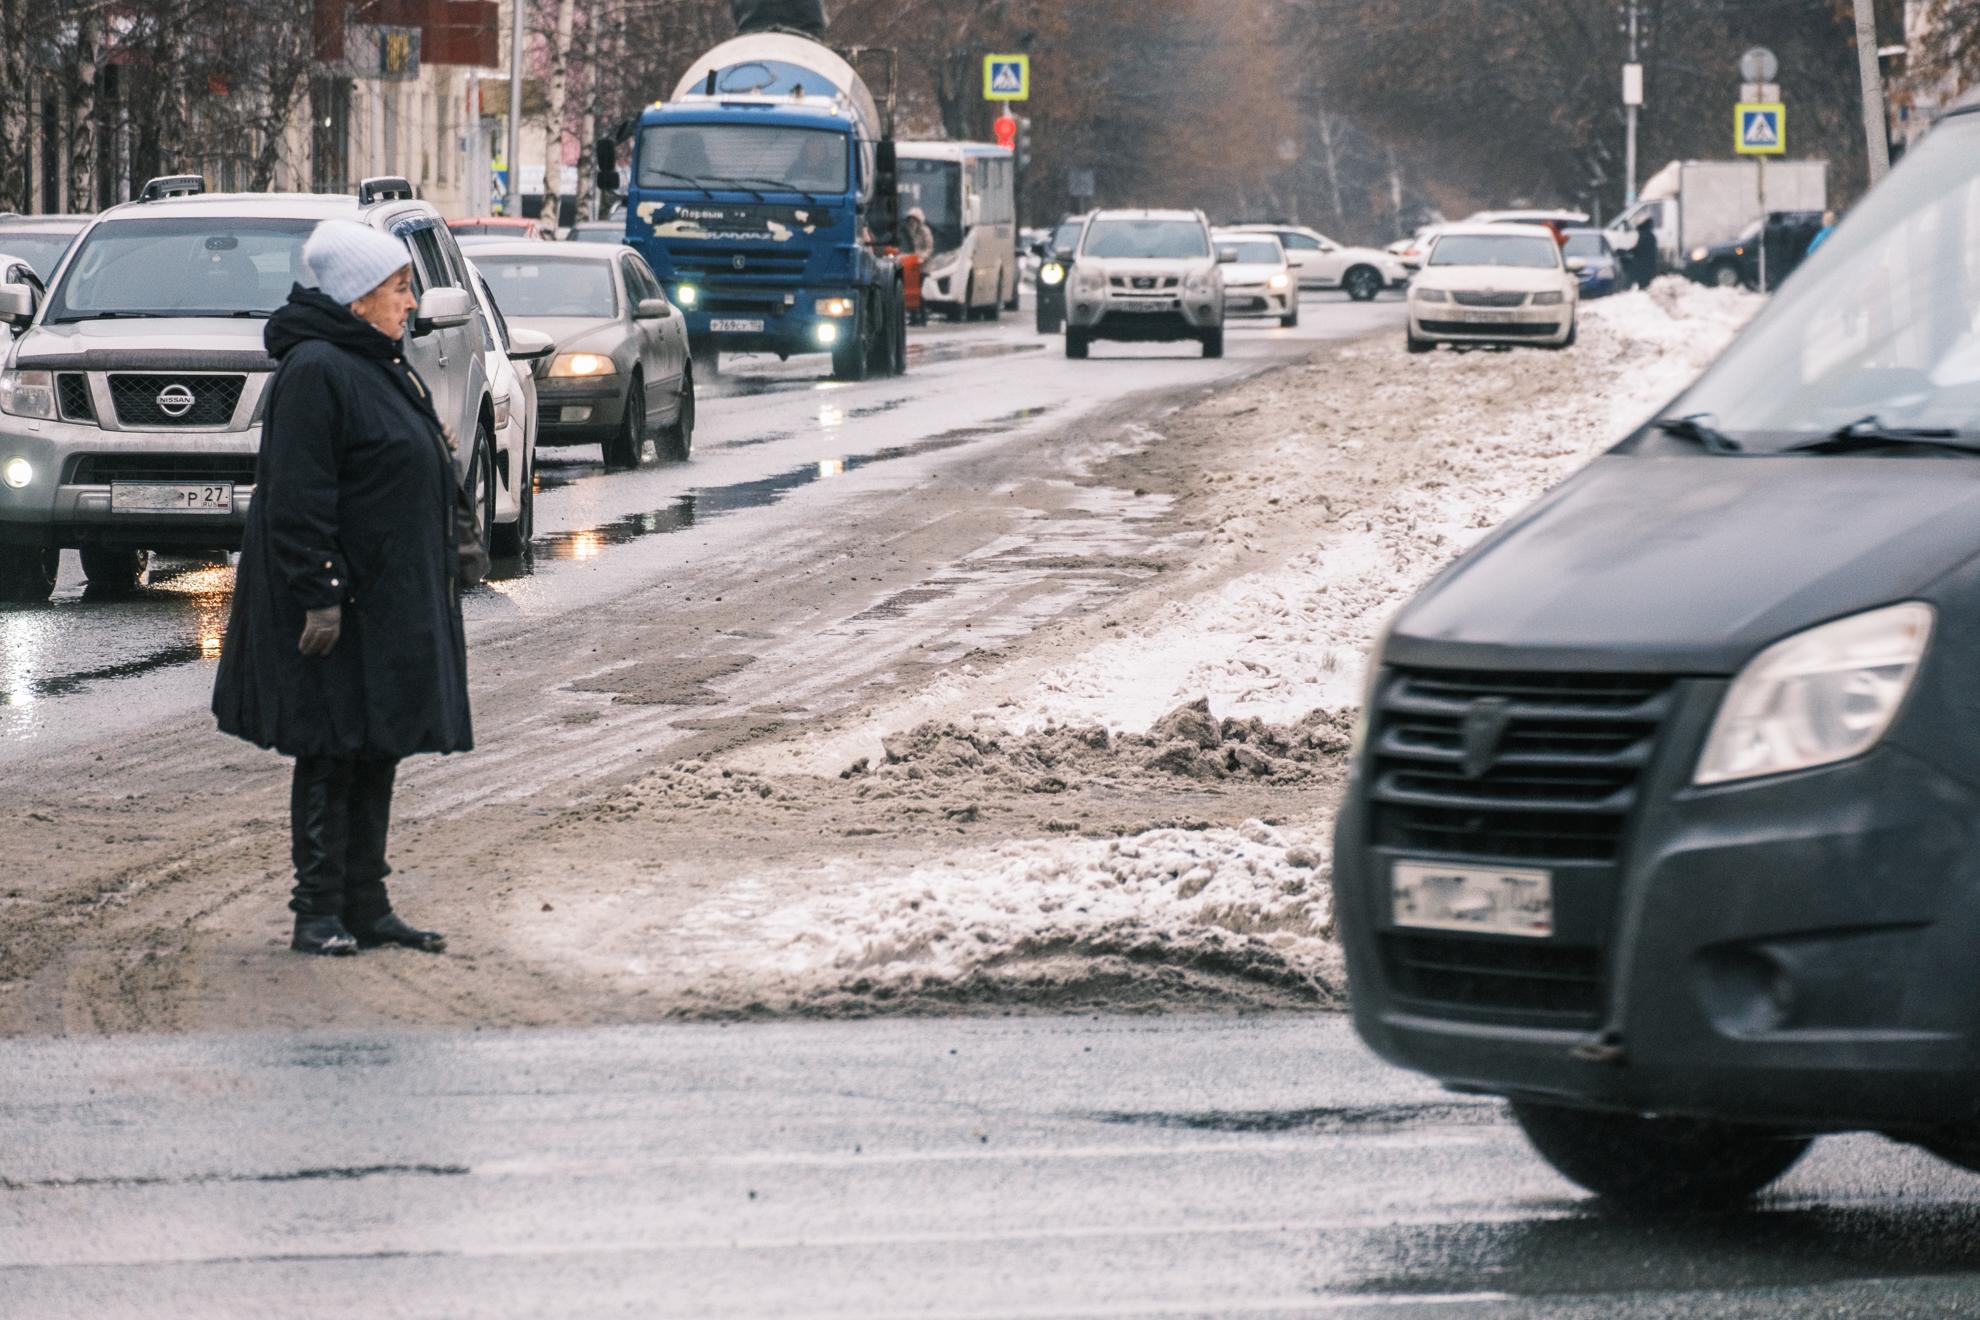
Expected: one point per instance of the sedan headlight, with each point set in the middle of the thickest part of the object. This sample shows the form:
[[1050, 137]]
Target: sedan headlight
[[28, 393], [1548, 299], [1279, 283], [1429, 295], [1818, 697], [502, 413], [1051, 274], [582, 364]]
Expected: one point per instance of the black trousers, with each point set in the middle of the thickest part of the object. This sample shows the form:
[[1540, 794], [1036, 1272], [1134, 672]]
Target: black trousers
[[340, 809]]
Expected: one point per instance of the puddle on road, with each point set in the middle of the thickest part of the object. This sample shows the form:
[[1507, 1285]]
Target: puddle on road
[[708, 502]]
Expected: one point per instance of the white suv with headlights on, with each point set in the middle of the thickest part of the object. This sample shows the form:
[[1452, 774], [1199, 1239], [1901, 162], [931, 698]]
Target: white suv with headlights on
[[1494, 284], [1146, 275], [130, 405]]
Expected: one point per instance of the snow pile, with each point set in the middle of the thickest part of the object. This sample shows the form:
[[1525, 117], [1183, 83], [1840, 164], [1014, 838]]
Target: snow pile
[[1279, 644], [1231, 915]]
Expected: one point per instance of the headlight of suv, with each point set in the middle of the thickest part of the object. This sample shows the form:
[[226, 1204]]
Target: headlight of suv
[[582, 364], [28, 393], [1818, 697], [1429, 295], [1201, 282], [1547, 299], [1087, 280]]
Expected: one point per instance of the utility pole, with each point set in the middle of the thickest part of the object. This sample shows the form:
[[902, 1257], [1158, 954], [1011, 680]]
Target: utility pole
[[1632, 98], [1876, 124], [512, 200]]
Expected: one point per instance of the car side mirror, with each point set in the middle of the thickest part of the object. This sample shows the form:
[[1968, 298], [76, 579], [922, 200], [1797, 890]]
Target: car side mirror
[[16, 304], [442, 309], [1577, 264], [652, 309], [530, 346], [1225, 256]]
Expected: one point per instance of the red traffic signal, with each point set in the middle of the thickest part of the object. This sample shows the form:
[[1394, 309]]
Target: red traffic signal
[[1007, 127]]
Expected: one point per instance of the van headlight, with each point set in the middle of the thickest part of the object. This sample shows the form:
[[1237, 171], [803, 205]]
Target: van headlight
[[28, 393], [1818, 697]]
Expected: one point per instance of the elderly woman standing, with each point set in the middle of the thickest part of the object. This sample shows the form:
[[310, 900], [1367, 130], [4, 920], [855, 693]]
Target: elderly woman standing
[[345, 648]]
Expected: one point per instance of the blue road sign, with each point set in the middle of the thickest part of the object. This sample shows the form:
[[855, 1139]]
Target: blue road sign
[[1760, 128], [1007, 77]]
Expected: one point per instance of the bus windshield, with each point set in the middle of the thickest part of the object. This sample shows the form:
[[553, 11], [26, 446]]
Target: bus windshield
[[742, 156], [936, 187]]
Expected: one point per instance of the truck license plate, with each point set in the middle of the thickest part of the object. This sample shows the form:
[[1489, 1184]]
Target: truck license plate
[[1494, 900], [185, 497], [737, 325]]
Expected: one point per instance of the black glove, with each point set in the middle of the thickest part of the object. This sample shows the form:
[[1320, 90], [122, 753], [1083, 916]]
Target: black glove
[[321, 629]]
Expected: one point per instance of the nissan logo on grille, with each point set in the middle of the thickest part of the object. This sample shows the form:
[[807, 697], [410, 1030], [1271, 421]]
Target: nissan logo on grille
[[175, 400], [1484, 729]]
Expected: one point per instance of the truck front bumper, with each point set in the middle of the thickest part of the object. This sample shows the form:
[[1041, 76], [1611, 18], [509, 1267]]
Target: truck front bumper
[[1791, 951], [766, 327]]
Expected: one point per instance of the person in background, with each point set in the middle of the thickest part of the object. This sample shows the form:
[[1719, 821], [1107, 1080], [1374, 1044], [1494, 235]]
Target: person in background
[[921, 239], [344, 648], [1822, 234], [1643, 258]]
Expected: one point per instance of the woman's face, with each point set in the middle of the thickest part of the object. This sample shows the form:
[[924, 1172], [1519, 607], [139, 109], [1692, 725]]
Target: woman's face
[[387, 306]]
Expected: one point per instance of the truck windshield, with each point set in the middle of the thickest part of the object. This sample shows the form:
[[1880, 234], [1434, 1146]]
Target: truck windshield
[[747, 156], [184, 266], [550, 286], [1515, 250], [936, 187], [1160, 239], [1883, 322]]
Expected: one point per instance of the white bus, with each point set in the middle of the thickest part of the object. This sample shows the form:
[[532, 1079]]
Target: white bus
[[968, 191]]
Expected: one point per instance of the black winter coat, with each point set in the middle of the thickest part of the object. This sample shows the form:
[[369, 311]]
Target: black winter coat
[[353, 505]]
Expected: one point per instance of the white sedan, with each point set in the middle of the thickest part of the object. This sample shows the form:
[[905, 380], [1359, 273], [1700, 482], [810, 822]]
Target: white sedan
[[1321, 263], [1259, 281], [1494, 284], [512, 357]]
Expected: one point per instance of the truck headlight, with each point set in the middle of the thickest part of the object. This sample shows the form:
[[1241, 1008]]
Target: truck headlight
[[687, 295], [1278, 283], [834, 307], [1818, 697], [28, 393], [582, 364], [1051, 273]]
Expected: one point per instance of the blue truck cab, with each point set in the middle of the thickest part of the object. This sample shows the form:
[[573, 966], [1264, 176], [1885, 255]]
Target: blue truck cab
[[757, 193]]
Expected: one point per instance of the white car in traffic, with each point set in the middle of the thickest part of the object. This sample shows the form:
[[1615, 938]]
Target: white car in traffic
[[1143, 276], [1260, 281], [1494, 284], [1321, 263], [513, 358]]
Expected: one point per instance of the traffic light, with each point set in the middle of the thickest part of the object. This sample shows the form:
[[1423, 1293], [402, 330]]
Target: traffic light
[[1006, 127], [605, 155], [1024, 142]]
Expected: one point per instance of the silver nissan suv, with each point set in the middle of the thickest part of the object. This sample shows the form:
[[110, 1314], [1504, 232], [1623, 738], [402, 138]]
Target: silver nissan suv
[[1146, 275], [130, 402]]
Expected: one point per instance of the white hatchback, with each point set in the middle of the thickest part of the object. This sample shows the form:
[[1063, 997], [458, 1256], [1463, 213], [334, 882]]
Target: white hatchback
[[1321, 263], [1494, 284], [1259, 282]]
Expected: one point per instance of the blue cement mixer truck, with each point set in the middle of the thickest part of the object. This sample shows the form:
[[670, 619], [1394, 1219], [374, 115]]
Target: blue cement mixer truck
[[763, 193]]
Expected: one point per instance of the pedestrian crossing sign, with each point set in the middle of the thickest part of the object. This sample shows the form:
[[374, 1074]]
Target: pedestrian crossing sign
[[1007, 77], [1760, 128]]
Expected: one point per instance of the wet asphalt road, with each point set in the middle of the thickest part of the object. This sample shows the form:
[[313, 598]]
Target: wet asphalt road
[[80, 671], [1029, 1167]]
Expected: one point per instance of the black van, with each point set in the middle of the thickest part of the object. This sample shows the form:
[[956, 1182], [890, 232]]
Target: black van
[[1665, 813]]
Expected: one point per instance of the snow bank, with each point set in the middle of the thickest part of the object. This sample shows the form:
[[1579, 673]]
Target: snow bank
[[1279, 644]]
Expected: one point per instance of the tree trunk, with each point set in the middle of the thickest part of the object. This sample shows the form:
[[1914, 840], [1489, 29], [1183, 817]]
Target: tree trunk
[[1330, 159], [553, 132], [82, 116], [14, 135]]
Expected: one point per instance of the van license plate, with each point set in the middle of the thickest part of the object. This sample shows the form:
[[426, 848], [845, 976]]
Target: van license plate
[[1492, 900], [185, 497], [738, 325]]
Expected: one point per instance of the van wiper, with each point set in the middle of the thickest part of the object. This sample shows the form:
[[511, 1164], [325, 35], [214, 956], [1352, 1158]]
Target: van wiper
[[1693, 428], [1871, 433]]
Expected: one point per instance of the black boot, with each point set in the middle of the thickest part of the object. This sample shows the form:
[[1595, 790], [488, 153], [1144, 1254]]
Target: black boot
[[388, 929], [322, 935], [365, 869]]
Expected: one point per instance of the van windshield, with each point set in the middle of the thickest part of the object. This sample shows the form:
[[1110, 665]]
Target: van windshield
[[1882, 322], [183, 266], [1156, 239]]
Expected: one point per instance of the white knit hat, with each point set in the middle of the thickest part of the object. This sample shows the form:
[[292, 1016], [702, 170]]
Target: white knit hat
[[350, 259]]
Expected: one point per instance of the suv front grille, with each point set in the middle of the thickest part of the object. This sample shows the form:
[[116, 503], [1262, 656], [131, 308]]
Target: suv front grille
[[138, 399], [1540, 984], [1557, 783], [72, 396], [102, 469], [1144, 283]]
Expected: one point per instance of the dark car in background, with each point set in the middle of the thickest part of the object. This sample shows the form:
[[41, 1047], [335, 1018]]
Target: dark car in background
[[1736, 262], [1601, 269], [40, 240], [1055, 258], [622, 371]]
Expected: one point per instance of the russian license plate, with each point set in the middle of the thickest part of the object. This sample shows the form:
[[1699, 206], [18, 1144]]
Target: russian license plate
[[181, 497], [1487, 318], [737, 325], [1487, 900]]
